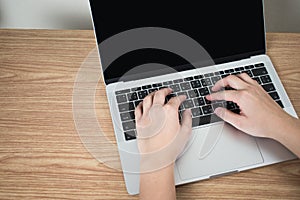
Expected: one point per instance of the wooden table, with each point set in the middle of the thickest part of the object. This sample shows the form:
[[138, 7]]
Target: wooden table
[[41, 154]]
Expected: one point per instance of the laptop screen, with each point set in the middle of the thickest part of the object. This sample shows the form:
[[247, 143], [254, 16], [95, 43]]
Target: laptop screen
[[227, 30]]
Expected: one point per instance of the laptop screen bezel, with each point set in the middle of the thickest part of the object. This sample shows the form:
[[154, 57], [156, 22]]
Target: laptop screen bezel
[[183, 67]]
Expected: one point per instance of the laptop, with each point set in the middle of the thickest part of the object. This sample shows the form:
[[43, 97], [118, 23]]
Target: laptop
[[187, 46]]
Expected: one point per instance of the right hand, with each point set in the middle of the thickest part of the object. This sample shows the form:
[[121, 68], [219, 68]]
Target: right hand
[[260, 115]]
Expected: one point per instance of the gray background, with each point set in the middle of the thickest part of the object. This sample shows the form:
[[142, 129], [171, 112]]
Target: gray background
[[281, 15]]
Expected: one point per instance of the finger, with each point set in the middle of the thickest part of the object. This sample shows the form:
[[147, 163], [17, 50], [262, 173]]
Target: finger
[[138, 113], [245, 77], [186, 122], [230, 117], [228, 95], [160, 96], [177, 101], [147, 102], [232, 81]]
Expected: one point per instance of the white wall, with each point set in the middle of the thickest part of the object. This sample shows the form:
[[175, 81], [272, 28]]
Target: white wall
[[45, 14], [281, 15]]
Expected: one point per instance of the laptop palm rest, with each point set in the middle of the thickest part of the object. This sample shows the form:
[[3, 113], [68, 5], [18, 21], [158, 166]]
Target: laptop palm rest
[[216, 150]]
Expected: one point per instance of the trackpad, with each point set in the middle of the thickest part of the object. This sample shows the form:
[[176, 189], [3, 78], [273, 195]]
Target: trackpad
[[217, 149]]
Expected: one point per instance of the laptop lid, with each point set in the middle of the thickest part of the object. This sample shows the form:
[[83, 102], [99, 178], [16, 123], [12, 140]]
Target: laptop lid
[[228, 31]]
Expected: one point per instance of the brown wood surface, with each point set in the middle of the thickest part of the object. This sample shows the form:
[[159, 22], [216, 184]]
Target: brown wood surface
[[41, 154]]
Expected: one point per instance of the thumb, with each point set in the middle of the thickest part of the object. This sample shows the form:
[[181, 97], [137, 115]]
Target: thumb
[[230, 117], [186, 122]]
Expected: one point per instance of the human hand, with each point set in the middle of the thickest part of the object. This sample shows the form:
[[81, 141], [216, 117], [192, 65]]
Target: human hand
[[260, 116], [160, 136]]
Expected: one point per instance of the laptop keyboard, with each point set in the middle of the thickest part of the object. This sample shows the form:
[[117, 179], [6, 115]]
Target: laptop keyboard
[[195, 88]]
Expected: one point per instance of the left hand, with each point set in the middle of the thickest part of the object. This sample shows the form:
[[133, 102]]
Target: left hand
[[161, 138]]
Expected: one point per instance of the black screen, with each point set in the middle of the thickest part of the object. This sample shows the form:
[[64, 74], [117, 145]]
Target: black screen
[[228, 30]]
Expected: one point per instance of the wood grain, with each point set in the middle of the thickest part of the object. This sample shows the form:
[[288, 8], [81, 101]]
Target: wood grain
[[41, 154]]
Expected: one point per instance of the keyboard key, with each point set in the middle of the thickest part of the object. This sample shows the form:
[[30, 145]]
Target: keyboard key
[[168, 83], [274, 95], [130, 125], [188, 79], [204, 91], [236, 111], [230, 105], [193, 93], [163, 87], [142, 94], [126, 107], [249, 67], [280, 104], [208, 75], [157, 85], [269, 87], [259, 65], [181, 108], [260, 71], [122, 92], [199, 102], [228, 88], [121, 98], [185, 86], [206, 82], [215, 79], [196, 112], [188, 104], [217, 105], [145, 87], [238, 69], [208, 102], [132, 96], [221, 72], [178, 81], [175, 88], [225, 75], [136, 103], [258, 80], [207, 109], [249, 73], [196, 84], [183, 93], [180, 112], [136, 89], [198, 77], [265, 79], [127, 116], [170, 96], [203, 120], [217, 74], [152, 90], [130, 135], [210, 89]]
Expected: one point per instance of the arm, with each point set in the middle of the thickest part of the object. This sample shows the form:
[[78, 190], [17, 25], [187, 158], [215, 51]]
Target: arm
[[289, 136], [260, 115], [158, 184], [161, 138]]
